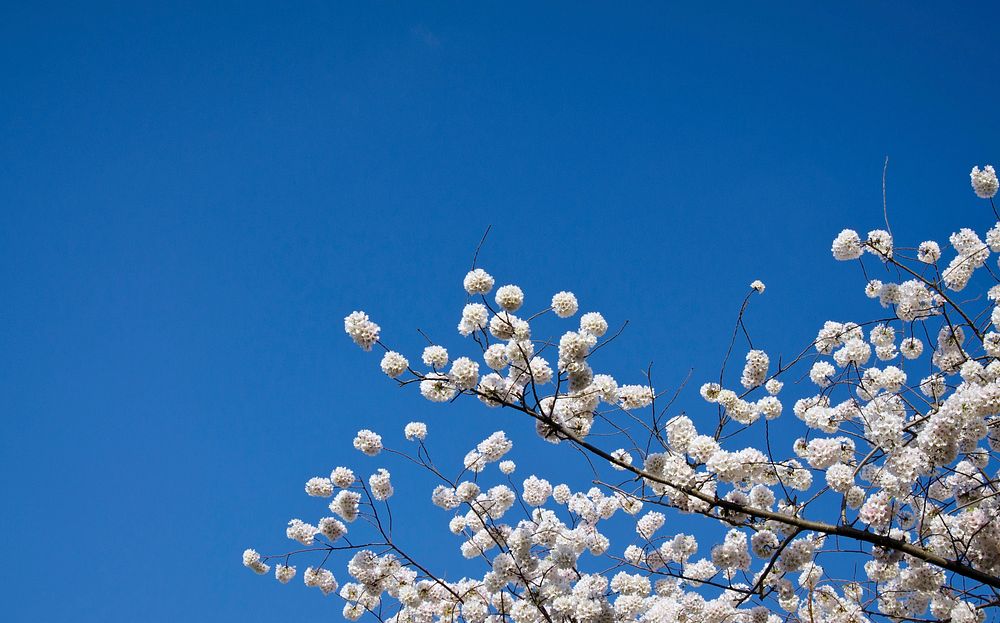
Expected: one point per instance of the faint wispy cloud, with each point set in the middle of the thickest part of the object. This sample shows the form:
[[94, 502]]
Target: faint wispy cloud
[[428, 38]]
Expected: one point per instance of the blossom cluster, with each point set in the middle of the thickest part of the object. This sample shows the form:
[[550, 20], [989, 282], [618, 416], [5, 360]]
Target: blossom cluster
[[898, 422]]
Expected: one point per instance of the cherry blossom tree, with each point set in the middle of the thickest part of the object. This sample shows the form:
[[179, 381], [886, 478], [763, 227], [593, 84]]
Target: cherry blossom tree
[[896, 466]]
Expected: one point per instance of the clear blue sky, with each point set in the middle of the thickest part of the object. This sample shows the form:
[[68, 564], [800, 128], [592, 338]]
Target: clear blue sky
[[192, 196]]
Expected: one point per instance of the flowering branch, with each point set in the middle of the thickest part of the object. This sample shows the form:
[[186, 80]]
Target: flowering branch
[[909, 469]]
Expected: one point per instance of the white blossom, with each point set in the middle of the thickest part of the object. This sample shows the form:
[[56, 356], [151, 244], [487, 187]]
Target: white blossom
[[984, 181], [321, 579], [891, 448], [564, 304], [342, 477], [346, 504], [755, 370], [475, 317], [284, 573], [847, 245], [478, 281], [594, 324], [362, 330], [300, 531], [368, 442], [464, 373], [635, 396], [437, 387], [928, 252], [380, 485], [319, 487], [394, 364], [252, 561], [415, 431], [536, 491], [879, 243], [510, 298], [821, 372], [435, 357]]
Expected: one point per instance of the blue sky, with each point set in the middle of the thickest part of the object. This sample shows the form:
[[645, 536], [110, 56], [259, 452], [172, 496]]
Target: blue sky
[[193, 195]]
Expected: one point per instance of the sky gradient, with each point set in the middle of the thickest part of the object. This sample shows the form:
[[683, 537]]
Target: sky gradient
[[194, 195]]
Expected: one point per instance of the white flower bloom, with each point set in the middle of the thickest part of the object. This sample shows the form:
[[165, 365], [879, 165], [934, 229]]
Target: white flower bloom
[[457, 524], [507, 326], [444, 497], [635, 396], [380, 485], [770, 406], [319, 487], [540, 371], [332, 528], [710, 391], [764, 543], [993, 238], [968, 243], [467, 491], [475, 317], [855, 351], [701, 570], [252, 561], [911, 348], [494, 390], [300, 531], [821, 372], [757, 285], [415, 430], [876, 511], [437, 387], [352, 612], [984, 181], [594, 324], [507, 467], [494, 447], [321, 579], [621, 454], [464, 373], [368, 442], [604, 387], [478, 281], [284, 573], [702, 448], [346, 504], [536, 491], [879, 243], [854, 497], [363, 331], [633, 554], [435, 357], [561, 493], [510, 298], [991, 344], [342, 477], [649, 524], [564, 304], [496, 357], [847, 245], [928, 252], [394, 364], [755, 369], [840, 477]]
